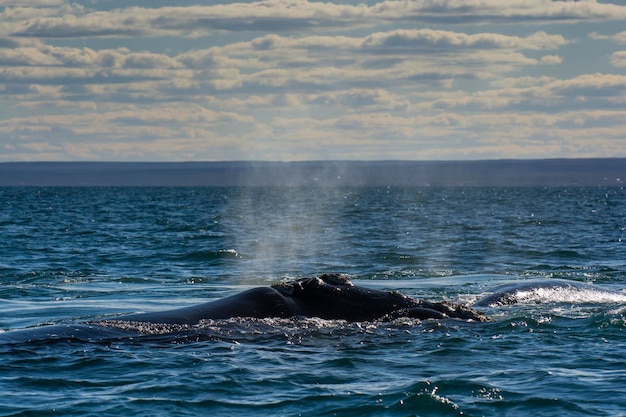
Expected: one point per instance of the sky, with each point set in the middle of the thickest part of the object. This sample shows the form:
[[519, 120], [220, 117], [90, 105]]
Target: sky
[[292, 80]]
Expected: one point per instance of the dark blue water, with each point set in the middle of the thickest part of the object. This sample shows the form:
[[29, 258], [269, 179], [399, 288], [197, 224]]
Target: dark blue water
[[73, 254]]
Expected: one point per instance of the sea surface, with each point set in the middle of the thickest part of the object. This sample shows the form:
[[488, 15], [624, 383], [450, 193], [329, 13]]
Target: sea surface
[[75, 254]]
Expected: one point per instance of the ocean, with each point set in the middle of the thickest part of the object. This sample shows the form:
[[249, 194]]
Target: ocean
[[72, 254]]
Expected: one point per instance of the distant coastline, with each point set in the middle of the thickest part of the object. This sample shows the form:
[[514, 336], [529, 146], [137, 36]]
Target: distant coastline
[[543, 172]]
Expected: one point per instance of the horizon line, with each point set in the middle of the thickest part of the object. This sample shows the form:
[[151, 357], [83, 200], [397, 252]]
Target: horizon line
[[89, 161]]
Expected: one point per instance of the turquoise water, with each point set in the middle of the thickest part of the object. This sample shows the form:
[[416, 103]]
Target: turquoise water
[[73, 254]]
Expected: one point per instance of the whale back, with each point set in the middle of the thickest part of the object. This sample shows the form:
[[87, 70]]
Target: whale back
[[551, 290], [260, 302]]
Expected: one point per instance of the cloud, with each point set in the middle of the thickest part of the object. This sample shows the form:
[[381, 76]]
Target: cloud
[[16, 14], [31, 3], [618, 59], [192, 21], [298, 79], [272, 64], [156, 131], [617, 37], [294, 16], [358, 99], [495, 11], [100, 24], [551, 59], [595, 85], [405, 41], [279, 65], [276, 63], [543, 94]]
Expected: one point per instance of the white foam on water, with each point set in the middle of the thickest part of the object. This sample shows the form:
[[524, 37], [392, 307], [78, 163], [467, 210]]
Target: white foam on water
[[571, 295]]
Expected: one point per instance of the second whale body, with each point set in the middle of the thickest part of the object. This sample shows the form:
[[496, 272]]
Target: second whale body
[[552, 290]]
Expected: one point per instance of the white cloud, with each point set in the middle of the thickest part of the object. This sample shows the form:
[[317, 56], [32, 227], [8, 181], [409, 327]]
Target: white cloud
[[273, 64], [590, 84], [31, 3], [551, 59], [294, 79], [297, 15], [483, 11], [617, 37], [618, 59], [446, 41]]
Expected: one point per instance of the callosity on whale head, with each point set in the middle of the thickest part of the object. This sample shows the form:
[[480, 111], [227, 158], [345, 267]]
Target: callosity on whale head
[[334, 296]]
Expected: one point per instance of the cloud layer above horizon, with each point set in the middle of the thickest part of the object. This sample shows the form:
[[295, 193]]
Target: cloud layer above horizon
[[307, 80]]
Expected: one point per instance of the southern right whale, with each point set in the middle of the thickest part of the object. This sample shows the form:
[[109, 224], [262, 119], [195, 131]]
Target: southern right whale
[[551, 289], [329, 296]]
